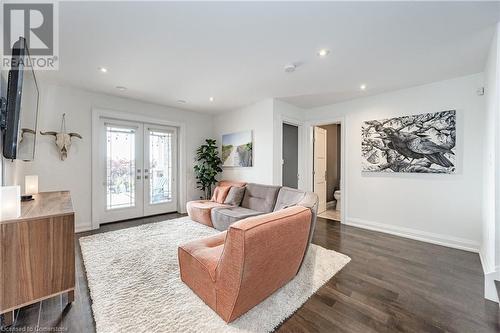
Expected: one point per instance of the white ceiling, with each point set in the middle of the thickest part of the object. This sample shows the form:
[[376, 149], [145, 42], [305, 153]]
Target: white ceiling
[[166, 51]]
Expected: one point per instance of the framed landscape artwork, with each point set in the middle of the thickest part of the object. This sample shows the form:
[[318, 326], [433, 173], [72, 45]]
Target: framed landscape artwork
[[423, 143], [237, 149]]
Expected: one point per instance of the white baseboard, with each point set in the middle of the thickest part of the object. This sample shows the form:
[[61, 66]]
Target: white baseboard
[[490, 290], [424, 236], [84, 228], [491, 273], [486, 262]]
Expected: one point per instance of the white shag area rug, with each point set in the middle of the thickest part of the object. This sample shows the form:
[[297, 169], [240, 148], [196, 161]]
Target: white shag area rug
[[133, 277]]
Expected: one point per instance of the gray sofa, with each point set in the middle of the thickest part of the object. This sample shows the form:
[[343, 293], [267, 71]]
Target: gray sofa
[[262, 199]]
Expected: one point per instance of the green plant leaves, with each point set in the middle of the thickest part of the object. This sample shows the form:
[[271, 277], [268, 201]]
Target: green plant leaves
[[209, 164]]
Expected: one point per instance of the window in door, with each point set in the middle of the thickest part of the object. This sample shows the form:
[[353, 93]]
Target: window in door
[[160, 161], [120, 171]]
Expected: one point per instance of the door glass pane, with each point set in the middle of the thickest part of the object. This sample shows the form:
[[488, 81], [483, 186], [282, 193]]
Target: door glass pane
[[120, 167], [160, 164]]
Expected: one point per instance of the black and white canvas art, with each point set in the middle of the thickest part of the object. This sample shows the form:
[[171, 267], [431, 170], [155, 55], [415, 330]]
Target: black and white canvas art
[[423, 143]]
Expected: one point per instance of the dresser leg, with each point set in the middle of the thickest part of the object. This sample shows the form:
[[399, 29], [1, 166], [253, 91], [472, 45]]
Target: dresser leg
[[8, 318], [71, 296]]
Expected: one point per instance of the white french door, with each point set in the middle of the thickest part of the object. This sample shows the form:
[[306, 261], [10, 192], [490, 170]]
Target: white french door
[[160, 169], [138, 169]]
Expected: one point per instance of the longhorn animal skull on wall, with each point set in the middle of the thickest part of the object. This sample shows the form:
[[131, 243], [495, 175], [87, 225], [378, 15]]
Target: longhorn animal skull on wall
[[63, 139]]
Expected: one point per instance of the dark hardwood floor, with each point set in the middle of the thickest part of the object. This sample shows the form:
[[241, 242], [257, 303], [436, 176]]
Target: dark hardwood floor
[[392, 284]]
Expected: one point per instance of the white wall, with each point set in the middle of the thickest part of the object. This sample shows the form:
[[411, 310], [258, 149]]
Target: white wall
[[490, 246], [258, 118], [265, 119], [441, 208], [74, 173], [490, 156], [494, 104]]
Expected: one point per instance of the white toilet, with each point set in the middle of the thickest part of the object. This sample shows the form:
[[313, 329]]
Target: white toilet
[[336, 195]]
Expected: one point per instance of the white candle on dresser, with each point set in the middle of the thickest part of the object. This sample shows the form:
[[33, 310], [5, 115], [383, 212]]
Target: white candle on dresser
[[31, 184]]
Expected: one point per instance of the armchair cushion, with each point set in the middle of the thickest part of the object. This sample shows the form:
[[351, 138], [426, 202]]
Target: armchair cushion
[[220, 194], [235, 196], [260, 197], [199, 211], [223, 217], [288, 197], [197, 263]]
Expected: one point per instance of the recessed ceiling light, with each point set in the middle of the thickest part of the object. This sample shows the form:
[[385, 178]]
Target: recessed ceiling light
[[121, 88], [211, 99], [102, 69], [181, 101], [362, 87], [323, 52]]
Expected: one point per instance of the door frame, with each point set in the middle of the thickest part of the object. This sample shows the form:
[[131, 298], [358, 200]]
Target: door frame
[[97, 114], [309, 158]]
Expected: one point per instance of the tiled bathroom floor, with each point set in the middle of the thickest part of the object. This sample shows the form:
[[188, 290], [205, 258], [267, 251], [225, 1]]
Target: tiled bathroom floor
[[331, 214]]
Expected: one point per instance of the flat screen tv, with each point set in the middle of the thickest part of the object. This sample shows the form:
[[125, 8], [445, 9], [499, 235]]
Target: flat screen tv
[[20, 109]]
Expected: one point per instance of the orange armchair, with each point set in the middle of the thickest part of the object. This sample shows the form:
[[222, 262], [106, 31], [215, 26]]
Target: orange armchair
[[235, 270]]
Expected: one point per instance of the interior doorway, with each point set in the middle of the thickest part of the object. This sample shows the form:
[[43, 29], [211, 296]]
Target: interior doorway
[[327, 169], [290, 162]]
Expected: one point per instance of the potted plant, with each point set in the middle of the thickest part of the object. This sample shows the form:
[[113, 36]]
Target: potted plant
[[208, 166]]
